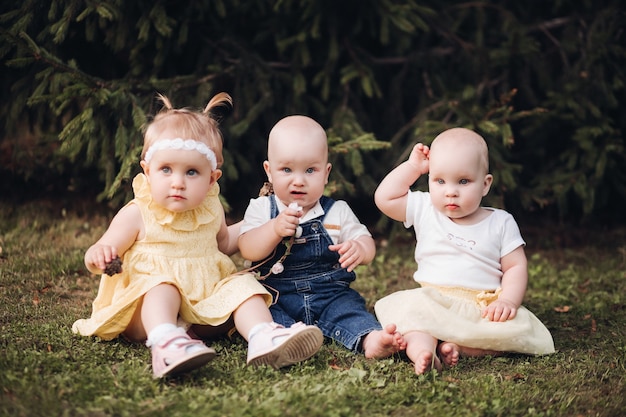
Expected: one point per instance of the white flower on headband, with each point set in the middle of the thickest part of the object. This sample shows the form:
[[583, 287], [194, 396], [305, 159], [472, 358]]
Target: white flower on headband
[[184, 144]]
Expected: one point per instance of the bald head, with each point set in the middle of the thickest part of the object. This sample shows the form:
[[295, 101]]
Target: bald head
[[297, 161], [463, 142], [297, 131]]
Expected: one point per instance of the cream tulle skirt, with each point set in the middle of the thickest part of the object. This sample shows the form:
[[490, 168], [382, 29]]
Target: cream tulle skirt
[[454, 315]]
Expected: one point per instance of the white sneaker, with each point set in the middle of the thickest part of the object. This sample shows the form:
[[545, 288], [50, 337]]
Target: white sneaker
[[278, 346]]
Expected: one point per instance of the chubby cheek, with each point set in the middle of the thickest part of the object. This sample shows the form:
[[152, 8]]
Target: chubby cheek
[[279, 183], [435, 196]]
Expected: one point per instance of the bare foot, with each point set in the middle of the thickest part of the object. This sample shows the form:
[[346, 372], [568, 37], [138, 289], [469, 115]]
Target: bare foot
[[383, 343], [426, 361], [448, 352]]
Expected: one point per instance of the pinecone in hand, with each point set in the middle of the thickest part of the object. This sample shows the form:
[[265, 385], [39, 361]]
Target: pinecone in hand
[[113, 267]]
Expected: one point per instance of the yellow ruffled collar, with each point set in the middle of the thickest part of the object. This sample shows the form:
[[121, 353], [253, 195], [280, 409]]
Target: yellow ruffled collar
[[185, 221]]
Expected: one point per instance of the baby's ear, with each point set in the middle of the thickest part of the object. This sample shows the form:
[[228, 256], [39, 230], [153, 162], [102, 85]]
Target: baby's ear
[[216, 175], [266, 167], [487, 184], [145, 166]]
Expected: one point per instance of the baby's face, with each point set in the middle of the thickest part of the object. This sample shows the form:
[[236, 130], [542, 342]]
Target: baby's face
[[297, 166], [180, 179], [457, 181]]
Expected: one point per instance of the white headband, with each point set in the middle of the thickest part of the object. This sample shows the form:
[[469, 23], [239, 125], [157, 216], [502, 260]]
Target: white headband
[[184, 144]]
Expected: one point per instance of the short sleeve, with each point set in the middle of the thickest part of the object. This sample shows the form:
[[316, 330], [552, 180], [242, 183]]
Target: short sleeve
[[257, 214]]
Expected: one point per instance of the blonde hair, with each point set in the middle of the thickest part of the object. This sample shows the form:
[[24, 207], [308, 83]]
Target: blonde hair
[[201, 126]]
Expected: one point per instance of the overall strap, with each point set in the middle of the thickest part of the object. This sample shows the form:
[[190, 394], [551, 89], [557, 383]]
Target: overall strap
[[273, 206], [326, 203]]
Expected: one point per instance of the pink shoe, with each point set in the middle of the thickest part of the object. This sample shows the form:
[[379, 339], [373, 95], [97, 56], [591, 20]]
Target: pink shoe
[[277, 346], [167, 361]]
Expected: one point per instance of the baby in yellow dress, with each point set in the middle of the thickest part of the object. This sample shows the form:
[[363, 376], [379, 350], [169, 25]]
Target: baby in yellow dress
[[174, 244]]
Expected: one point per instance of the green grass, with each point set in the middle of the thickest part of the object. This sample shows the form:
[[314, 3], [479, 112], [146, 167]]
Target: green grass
[[577, 290]]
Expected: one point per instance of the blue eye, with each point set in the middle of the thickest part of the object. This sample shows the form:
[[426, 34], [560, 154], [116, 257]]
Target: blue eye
[[310, 170], [440, 181], [286, 170], [192, 172], [464, 181], [166, 170]]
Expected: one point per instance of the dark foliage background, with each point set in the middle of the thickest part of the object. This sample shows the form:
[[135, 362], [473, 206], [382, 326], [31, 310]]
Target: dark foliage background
[[544, 82]]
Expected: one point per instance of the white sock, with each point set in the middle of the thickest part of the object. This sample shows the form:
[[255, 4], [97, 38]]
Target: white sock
[[257, 328], [161, 330], [158, 332]]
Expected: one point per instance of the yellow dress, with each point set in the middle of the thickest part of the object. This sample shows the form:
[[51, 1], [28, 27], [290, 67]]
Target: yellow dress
[[178, 249]]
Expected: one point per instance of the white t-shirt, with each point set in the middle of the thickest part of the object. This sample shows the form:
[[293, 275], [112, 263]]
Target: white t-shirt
[[456, 255], [340, 222]]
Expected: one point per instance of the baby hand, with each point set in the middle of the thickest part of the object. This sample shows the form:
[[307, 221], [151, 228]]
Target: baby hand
[[500, 310], [98, 256], [419, 158], [288, 221], [350, 254]]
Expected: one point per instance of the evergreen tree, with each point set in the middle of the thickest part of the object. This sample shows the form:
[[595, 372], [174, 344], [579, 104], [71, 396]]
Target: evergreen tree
[[543, 82]]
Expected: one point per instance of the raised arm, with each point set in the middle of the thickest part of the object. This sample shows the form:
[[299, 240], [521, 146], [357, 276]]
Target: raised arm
[[391, 194], [123, 231]]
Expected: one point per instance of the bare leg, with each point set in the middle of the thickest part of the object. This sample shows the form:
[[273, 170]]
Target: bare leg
[[159, 305], [475, 352], [251, 312], [420, 348], [135, 331], [383, 343], [449, 352], [173, 351]]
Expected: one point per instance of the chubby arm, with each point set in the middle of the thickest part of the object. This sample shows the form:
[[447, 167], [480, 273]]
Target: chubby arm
[[355, 252], [123, 231], [227, 237], [514, 282], [258, 243], [391, 194]]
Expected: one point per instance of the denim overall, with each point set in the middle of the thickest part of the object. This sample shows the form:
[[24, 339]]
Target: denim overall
[[314, 288]]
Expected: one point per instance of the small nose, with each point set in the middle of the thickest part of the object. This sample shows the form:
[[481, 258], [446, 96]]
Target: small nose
[[178, 182], [298, 179], [451, 190]]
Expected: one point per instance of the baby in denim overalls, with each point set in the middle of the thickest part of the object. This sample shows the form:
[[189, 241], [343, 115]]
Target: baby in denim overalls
[[306, 246]]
